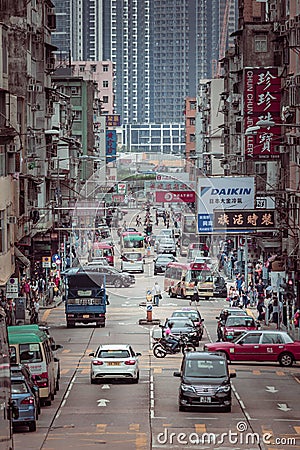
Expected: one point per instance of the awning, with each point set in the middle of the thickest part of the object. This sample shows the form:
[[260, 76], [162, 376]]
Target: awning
[[21, 258]]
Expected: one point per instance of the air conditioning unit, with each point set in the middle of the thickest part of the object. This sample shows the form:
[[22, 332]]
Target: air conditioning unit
[[239, 159], [50, 111], [261, 168], [30, 87], [291, 23], [38, 88], [234, 168], [292, 140], [297, 80], [282, 29], [12, 220]]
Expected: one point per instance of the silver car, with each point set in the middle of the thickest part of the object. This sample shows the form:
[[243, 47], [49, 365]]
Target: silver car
[[115, 361]]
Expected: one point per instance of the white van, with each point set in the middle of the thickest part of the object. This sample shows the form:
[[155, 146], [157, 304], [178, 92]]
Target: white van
[[132, 262]]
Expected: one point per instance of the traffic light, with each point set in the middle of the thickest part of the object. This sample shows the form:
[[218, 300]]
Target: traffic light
[[289, 290]]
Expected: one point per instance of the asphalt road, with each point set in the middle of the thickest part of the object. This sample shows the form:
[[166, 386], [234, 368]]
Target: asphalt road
[[144, 416], [125, 416]]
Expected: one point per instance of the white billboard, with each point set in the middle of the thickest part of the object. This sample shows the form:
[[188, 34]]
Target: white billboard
[[222, 193]]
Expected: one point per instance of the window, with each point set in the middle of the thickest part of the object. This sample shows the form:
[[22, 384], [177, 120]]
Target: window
[[81, 68], [105, 99], [272, 338], [2, 161], [192, 138], [105, 83], [192, 121], [93, 68], [251, 339], [105, 68], [77, 115], [261, 44], [75, 90], [193, 105]]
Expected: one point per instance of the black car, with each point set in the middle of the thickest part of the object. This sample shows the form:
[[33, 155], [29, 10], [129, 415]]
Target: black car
[[113, 277], [184, 325], [161, 262], [220, 287], [192, 314], [205, 381]]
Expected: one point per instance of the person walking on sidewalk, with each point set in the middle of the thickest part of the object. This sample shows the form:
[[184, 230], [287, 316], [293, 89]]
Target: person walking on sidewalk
[[156, 291], [35, 311]]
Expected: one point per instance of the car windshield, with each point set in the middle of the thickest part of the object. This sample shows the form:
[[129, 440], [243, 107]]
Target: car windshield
[[160, 260], [182, 323], [240, 322], [202, 368], [189, 314], [113, 354], [133, 256], [18, 387]]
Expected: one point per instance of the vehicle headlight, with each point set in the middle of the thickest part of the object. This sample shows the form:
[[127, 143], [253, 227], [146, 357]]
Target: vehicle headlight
[[187, 388], [225, 388]]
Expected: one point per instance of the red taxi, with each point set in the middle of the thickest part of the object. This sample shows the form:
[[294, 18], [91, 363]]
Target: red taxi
[[237, 325], [260, 346]]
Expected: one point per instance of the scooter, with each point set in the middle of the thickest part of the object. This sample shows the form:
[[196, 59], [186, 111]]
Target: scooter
[[163, 348]]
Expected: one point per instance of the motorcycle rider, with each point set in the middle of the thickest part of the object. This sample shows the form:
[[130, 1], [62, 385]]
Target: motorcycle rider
[[171, 338], [222, 321]]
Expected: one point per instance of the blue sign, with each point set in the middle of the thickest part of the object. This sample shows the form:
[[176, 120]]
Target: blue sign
[[55, 258], [149, 307], [205, 223]]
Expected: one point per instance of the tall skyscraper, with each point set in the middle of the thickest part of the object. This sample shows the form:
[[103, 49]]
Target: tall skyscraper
[[160, 49]]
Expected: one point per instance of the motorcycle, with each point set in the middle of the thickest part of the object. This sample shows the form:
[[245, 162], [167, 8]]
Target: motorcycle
[[163, 347]]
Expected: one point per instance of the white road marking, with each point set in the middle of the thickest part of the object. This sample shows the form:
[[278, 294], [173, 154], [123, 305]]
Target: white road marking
[[283, 407], [65, 398], [271, 389], [106, 386], [102, 402]]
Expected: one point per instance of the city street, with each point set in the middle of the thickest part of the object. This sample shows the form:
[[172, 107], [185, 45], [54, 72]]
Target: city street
[[145, 415]]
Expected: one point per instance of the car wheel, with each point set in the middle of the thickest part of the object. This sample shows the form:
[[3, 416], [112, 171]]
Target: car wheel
[[39, 408], [227, 408], [57, 385], [181, 408], [32, 426], [93, 381], [159, 351], [52, 396], [136, 379], [286, 360], [47, 402], [118, 283]]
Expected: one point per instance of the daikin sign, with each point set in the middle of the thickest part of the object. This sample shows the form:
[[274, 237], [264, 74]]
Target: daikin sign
[[222, 193]]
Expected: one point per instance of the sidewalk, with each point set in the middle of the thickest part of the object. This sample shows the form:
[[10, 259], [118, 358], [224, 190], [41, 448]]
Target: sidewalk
[[293, 332], [56, 302]]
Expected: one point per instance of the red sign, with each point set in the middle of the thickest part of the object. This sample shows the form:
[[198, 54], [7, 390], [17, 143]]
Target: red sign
[[175, 197], [262, 95]]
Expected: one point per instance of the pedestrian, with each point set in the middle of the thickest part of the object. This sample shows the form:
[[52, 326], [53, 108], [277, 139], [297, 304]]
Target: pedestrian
[[275, 318], [35, 311], [239, 283], [27, 291], [296, 319], [261, 309], [195, 296], [245, 299], [156, 291]]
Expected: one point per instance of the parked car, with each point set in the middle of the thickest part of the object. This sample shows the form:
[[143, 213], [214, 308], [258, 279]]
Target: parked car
[[115, 361], [261, 346], [237, 325], [161, 262], [205, 381], [25, 400], [166, 245], [192, 314], [220, 287], [113, 277], [20, 371]]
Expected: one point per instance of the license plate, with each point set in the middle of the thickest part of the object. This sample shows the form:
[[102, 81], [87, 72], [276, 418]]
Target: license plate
[[85, 316], [113, 363], [205, 400]]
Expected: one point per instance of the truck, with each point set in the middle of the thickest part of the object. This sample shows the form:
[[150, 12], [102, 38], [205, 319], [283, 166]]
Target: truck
[[85, 298]]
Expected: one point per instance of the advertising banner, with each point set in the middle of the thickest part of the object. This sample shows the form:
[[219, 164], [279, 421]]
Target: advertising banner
[[175, 196], [244, 221], [111, 145], [168, 186], [113, 120], [262, 95], [222, 192]]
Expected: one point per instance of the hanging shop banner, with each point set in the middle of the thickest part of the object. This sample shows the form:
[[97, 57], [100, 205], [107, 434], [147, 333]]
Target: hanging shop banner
[[262, 96], [111, 145], [175, 197], [113, 120], [168, 186], [222, 192], [244, 221]]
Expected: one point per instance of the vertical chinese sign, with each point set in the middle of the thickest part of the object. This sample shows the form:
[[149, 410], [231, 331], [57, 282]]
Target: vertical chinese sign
[[111, 145], [262, 95]]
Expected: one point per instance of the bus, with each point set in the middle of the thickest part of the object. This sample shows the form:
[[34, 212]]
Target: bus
[[7, 409], [188, 232], [85, 298], [104, 250], [180, 279], [132, 241]]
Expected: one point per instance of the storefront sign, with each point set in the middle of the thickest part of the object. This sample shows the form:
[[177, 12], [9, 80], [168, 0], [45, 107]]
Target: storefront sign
[[244, 221], [12, 288], [262, 96], [113, 120], [175, 197], [46, 262]]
